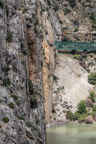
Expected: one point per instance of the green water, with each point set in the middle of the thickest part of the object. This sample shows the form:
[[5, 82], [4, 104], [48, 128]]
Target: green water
[[71, 134]]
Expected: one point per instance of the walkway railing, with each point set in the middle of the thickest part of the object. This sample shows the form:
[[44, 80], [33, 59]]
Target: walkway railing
[[75, 45]]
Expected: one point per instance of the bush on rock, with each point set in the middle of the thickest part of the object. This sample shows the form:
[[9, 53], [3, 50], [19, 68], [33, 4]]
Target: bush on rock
[[82, 107]]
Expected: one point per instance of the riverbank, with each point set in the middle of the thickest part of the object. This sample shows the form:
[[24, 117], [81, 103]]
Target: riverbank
[[71, 134], [48, 125]]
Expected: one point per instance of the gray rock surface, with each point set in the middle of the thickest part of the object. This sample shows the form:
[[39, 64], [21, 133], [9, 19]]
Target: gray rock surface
[[15, 109]]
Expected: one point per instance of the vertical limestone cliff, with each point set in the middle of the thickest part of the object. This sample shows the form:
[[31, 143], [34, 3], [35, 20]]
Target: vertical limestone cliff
[[22, 119], [50, 28]]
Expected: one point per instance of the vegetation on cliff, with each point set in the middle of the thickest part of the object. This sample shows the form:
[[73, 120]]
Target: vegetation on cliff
[[86, 111]]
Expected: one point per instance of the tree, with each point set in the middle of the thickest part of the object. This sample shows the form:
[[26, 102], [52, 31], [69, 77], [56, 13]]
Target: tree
[[92, 78], [82, 107], [92, 96]]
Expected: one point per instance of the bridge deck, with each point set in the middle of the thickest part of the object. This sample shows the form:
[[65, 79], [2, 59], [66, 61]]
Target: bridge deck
[[75, 45]]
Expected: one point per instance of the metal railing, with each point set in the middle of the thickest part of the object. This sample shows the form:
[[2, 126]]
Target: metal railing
[[75, 45]]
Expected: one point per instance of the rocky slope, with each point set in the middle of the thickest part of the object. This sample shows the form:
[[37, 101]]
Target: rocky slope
[[70, 86]]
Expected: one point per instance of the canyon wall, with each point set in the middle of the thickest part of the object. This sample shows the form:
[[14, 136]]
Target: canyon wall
[[22, 118]]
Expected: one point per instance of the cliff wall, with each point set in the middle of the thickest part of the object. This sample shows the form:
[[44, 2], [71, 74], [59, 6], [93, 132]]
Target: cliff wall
[[22, 118]]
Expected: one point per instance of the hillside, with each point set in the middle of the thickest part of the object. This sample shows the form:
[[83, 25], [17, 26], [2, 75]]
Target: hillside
[[70, 86]]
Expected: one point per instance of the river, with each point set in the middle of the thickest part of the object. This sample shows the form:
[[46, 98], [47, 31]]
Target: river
[[71, 134]]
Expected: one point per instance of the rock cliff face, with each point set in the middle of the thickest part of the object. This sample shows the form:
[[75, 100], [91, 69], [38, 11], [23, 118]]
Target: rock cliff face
[[22, 119]]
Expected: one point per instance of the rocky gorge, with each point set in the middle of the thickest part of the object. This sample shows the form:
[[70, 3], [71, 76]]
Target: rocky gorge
[[29, 63]]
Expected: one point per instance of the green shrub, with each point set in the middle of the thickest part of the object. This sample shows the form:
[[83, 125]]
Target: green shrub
[[55, 78], [11, 105], [92, 17], [16, 99], [32, 126], [94, 25], [1, 4], [25, 10], [93, 113], [15, 7], [33, 102], [23, 49], [76, 30], [56, 8], [95, 59], [92, 96], [53, 110], [76, 116], [91, 56], [60, 22], [21, 117], [28, 124], [46, 32], [82, 107], [82, 117], [76, 56], [0, 100], [92, 78], [41, 63], [54, 119], [36, 21], [58, 109], [14, 96], [69, 115], [94, 109], [31, 90], [6, 81], [67, 11], [9, 37], [72, 3], [6, 69], [48, 1], [5, 119], [94, 34], [18, 102]]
